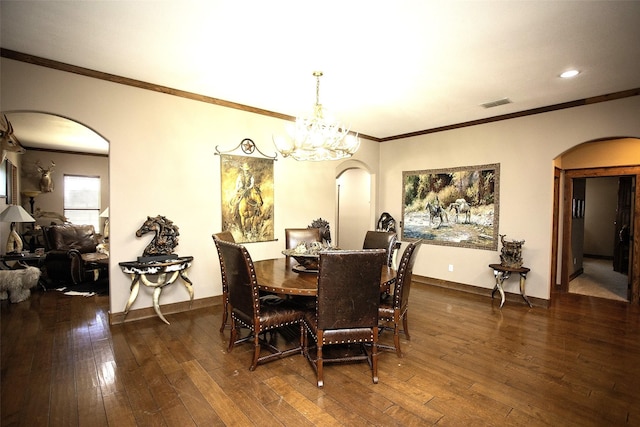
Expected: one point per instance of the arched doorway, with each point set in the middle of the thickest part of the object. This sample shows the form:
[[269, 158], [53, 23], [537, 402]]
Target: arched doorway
[[355, 203], [615, 162]]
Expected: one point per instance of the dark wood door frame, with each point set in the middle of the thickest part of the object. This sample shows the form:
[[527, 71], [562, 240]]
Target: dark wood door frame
[[569, 175]]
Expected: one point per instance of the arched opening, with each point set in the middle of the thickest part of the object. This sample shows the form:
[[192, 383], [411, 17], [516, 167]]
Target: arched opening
[[67, 149], [597, 211], [355, 203]]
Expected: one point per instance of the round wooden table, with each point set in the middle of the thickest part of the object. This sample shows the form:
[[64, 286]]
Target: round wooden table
[[276, 275]]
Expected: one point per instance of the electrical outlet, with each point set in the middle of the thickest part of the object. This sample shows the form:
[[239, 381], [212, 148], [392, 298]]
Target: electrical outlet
[[450, 267]]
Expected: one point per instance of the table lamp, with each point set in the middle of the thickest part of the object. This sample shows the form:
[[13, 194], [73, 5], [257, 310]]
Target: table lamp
[[105, 214], [13, 214]]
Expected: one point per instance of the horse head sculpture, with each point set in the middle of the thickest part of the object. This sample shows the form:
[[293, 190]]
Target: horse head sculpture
[[8, 141], [46, 182], [325, 231], [165, 239]]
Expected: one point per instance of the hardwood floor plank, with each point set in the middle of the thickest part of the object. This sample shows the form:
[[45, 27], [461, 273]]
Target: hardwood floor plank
[[227, 409]]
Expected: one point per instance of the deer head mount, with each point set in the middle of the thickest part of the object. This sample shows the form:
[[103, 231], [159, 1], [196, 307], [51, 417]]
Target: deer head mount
[[8, 141], [46, 182]]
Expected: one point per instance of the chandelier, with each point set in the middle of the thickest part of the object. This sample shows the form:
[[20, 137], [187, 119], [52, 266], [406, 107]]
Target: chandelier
[[317, 137]]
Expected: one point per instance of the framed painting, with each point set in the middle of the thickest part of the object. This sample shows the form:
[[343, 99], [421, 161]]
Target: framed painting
[[247, 197], [453, 207]]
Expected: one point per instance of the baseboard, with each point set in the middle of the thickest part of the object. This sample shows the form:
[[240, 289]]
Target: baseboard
[[576, 274], [178, 307], [511, 298]]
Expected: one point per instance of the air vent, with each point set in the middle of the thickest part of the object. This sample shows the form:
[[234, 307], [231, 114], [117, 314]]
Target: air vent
[[492, 104]]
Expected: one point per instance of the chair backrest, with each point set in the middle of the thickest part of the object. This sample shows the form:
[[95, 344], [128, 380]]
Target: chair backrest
[[293, 236], [381, 240], [224, 235], [349, 288], [240, 277], [404, 274]]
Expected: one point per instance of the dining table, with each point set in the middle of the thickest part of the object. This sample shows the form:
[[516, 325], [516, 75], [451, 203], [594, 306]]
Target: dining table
[[277, 276]]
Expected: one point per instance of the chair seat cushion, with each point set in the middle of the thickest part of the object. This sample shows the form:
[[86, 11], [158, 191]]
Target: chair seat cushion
[[337, 336], [385, 311], [273, 314]]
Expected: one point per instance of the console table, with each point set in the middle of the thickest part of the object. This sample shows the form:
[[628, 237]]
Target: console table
[[502, 273], [165, 272]]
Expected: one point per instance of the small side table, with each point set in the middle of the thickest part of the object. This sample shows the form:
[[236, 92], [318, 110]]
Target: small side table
[[502, 273], [166, 271]]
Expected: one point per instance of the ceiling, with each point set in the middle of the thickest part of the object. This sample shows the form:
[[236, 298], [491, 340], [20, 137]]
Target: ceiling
[[390, 68]]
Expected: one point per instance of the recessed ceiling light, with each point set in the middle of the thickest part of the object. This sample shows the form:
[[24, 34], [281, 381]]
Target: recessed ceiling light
[[569, 74]]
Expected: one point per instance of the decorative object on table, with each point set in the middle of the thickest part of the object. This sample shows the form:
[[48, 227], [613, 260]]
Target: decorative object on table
[[325, 230], [105, 230], [164, 241], [13, 214], [32, 194], [427, 194], [386, 222], [307, 255], [165, 272], [317, 137], [247, 197], [46, 181], [8, 141], [16, 285], [511, 253]]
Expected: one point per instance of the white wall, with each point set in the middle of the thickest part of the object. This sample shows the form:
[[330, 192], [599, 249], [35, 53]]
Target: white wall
[[525, 148], [162, 162]]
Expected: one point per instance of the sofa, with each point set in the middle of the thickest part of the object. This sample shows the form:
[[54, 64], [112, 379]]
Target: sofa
[[72, 254]]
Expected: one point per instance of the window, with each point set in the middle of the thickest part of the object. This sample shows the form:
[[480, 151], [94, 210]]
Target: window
[[82, 199]]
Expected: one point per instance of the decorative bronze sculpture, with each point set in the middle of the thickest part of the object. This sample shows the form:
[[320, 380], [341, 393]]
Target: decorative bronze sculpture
[[511, 254], [325, 231], [165, 239], [386, 223]]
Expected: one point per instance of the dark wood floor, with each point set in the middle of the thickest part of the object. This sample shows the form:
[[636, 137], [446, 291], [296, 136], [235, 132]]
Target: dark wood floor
[[468, 364]]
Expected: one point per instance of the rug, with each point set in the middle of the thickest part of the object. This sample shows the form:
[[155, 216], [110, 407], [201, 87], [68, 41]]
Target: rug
[[88, 289]]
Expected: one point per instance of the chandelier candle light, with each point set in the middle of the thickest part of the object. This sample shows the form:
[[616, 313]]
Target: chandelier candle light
[[317, 137]]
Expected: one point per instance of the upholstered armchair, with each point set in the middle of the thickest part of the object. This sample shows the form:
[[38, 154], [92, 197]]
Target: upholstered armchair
[[72, 254]]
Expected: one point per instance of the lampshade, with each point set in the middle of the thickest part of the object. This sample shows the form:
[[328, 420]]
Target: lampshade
[[105, 213], [15, 213], [317, 137]]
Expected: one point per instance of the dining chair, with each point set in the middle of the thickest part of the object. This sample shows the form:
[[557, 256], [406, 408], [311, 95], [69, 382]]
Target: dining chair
[[227, 236], [386, 240], [395, 311], [248, 310], [346, 308], [294, 236]]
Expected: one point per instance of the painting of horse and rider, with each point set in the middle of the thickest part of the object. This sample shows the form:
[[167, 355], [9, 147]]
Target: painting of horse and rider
[[247, 197], [454, 207]]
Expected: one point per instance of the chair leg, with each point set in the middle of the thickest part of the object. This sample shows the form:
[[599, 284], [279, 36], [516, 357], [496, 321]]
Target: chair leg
[[374, 356], [225, 310], [234, 334], [319, 360], [396, 337], [256, 352], [405, 325]]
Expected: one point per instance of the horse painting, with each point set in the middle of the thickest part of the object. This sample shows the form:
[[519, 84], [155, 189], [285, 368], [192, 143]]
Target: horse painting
[[435, 211], [165, 239], [250, 211], [460, 206]]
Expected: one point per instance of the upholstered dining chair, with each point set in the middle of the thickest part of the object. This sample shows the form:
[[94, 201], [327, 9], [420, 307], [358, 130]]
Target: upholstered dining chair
[[382, 240], [346, 309], [395, 311], [227, 236], [294, 236], [248, 310]]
